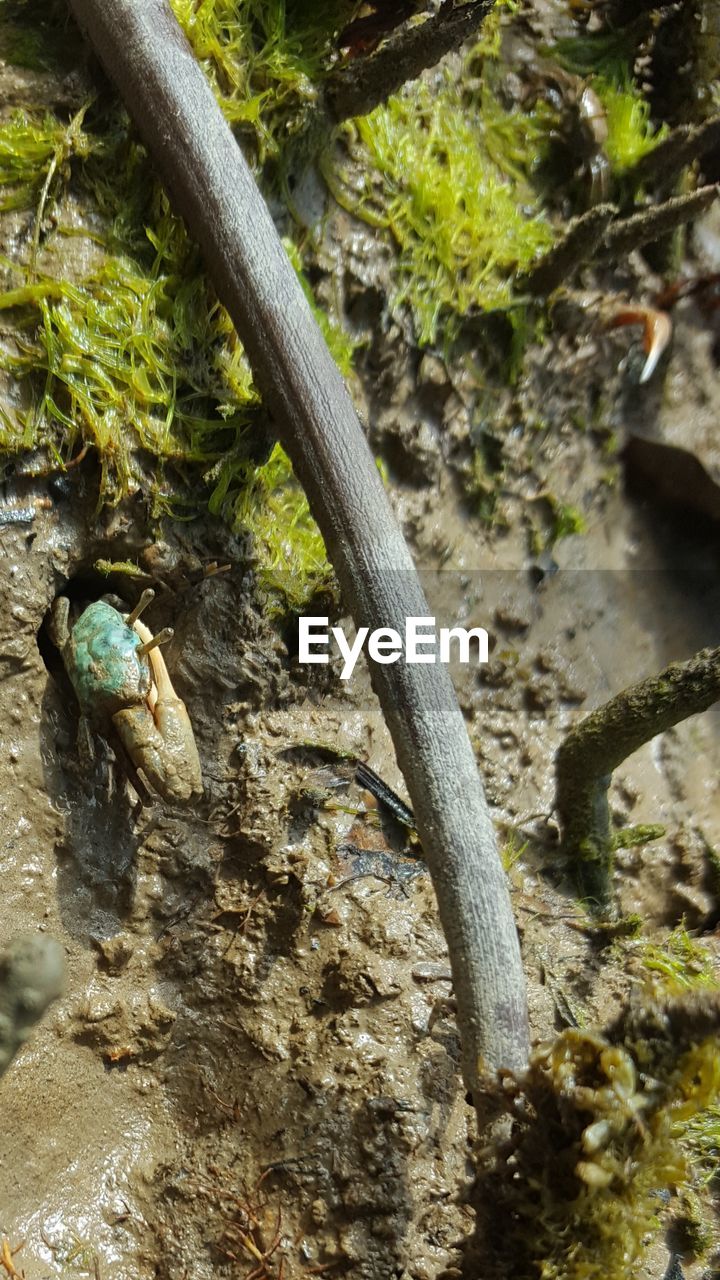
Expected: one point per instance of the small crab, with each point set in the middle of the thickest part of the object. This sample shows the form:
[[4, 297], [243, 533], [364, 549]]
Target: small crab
[[122, 684]]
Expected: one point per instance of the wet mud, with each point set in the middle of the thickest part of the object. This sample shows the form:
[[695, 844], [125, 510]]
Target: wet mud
[[255, 1057]]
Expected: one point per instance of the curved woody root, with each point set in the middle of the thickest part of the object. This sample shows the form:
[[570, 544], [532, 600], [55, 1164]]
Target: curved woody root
[[593, 749]]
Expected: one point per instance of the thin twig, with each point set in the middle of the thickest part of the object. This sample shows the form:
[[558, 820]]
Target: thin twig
[[595, 234], [576, 246], [363, 84], [685, 144], [593, 749], [656, 221]]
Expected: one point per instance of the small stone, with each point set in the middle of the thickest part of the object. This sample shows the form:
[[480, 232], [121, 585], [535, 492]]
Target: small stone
[[319, 1212]]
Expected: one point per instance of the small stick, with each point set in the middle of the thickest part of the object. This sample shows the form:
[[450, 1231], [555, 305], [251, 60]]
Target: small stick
[[366, 777], [598, 233], [656, 221], [575, 247], [363, 84], [686, 143], [594, 748]]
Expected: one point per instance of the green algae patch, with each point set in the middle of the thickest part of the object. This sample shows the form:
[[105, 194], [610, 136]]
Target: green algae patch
[[680, 963], [30, 149], [264, 59], [113, 337], [449, 178], [605, 59], [631, 134], [130, 358], [267, 500]]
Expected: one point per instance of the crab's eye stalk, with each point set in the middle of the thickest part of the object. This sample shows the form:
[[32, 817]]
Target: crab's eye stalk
[[162, 637], [147, 596]]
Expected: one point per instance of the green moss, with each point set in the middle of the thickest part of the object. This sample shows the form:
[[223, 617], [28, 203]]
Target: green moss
[[567, 520], [631, 135], [129, 359], [598, 1128], [117, 340], [606, 60], [512, 850], [123, 568], [490, 43], [267, 500], [448, 177], [631, 837], [703, 1140], [263, 58], [680, 963], [603, 53], [35, 156]]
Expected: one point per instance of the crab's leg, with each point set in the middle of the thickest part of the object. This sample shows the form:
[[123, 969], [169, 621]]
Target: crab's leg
[[59, 622]]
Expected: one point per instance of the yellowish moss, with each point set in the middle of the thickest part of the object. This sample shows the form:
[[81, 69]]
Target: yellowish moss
[[264, 58], [114, 337], [680, 962], [490, 43], [606, 59], [129, 358], [449, 179], [291, 553], [631, 135], [598, 1123]]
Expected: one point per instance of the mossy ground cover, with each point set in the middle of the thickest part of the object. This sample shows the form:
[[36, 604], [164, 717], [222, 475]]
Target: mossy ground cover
[[114, 337], [610, 1129], [605, 60], [446, 170]]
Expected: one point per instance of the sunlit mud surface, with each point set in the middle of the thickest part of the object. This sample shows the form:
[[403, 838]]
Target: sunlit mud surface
[[255, 1054]]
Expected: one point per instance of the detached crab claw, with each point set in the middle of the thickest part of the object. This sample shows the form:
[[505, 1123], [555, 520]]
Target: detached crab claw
[[157, 733], [657, 332]]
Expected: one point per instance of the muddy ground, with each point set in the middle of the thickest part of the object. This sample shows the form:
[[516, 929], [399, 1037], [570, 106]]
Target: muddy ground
[[254, 1067]]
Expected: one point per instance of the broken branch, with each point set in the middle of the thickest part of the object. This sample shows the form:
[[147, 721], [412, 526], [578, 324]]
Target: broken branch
[[591, 751]]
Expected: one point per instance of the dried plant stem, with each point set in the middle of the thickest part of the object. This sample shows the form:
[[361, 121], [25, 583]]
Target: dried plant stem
[[579, 243], [593, 749], [365, 83], [685, 144], [598, 234], [656, 221]]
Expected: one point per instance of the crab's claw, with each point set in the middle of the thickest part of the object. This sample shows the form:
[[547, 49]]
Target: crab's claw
[[161, 743], [158, 735]]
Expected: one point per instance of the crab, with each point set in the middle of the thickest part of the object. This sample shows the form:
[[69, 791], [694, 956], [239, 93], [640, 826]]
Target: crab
[[122, 685]]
